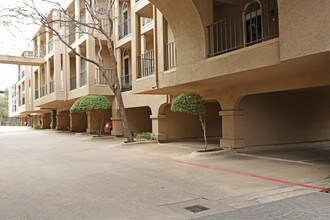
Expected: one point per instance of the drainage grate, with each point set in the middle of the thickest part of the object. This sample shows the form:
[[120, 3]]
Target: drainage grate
[[196, 208]]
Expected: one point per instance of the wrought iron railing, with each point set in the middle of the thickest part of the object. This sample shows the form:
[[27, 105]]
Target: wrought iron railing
[[51, 87], [36, 94], [83, 78], [73, 82], [124, 28], [126, 82], [147, 64], [243, 29], [100, 76], [170, 55]]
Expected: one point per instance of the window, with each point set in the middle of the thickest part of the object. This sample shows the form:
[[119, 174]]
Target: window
[[125, 19], [252, 21], [126, 79]]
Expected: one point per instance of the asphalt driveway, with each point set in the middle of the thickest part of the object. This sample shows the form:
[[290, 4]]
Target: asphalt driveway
[[56, 175]]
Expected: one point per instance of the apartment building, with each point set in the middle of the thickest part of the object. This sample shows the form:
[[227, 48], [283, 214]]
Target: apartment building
[[261, 65]]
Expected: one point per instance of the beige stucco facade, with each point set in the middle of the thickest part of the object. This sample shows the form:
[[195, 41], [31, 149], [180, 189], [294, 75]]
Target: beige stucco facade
[[262, 67]]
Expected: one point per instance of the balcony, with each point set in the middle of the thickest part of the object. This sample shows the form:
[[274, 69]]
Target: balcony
[[100, 76], [51, 87], [124, 28], [73, 82], [126, 82], [170, 55], [146, 21], [43, 91], [259, 23], [147, 64], [83, 78]]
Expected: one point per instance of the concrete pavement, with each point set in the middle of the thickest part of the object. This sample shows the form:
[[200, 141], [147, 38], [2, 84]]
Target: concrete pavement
[[56, 175]]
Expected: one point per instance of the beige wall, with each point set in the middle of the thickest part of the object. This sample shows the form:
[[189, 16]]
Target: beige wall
[[286, 117], [304, 27], [180, 125], [139, 119]]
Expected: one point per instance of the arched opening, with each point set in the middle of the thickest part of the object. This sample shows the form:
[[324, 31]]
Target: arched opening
[[288, 117], [139, 119], [182, 126]]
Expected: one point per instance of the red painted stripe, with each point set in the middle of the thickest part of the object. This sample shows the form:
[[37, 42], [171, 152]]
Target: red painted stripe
[[237, 172]]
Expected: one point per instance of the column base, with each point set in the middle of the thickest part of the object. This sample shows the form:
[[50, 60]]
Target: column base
[[232, 143]]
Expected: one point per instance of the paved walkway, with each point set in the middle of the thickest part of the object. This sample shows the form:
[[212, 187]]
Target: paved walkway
[[315, 206], [59, 175]]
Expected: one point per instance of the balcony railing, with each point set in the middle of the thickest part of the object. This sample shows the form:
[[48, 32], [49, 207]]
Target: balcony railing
[[83, 78], [100, 76], [73, 82], [147, 64], [126, 82], [239, 31], [146, 21], [51, 87], [43, 91], [170, 56], [50, 45], [124, 28], [36, 94]]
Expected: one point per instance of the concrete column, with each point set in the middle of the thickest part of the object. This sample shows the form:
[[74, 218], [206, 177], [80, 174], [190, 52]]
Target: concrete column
[[39, 81], [136, 43], [78, 122], [78, 67], [117, 125], [57, 72], [143, 44], [159, 37], [119, 64], [231, 136], [159, 126], [90, 54], [77, 16], [47, 40], [117, 16], [47, 75], [39, 46]]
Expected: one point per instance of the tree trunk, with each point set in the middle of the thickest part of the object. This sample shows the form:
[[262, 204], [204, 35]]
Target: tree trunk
[[203, 123], [127, 132]]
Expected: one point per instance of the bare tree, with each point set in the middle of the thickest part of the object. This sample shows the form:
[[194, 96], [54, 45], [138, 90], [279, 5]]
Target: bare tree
[[100, 21]]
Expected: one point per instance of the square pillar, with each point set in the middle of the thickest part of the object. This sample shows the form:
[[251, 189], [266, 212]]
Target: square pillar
[[159, 126], [231, 135]]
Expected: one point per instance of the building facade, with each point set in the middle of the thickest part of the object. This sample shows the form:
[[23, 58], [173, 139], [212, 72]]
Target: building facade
[[262, 67]]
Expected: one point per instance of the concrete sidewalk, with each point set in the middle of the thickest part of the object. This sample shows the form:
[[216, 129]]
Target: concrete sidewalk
[[50, 175]]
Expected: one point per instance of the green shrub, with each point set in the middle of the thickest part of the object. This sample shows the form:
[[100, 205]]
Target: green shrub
[[192, 104], [37, 126], [94, 104], [145, 136]]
